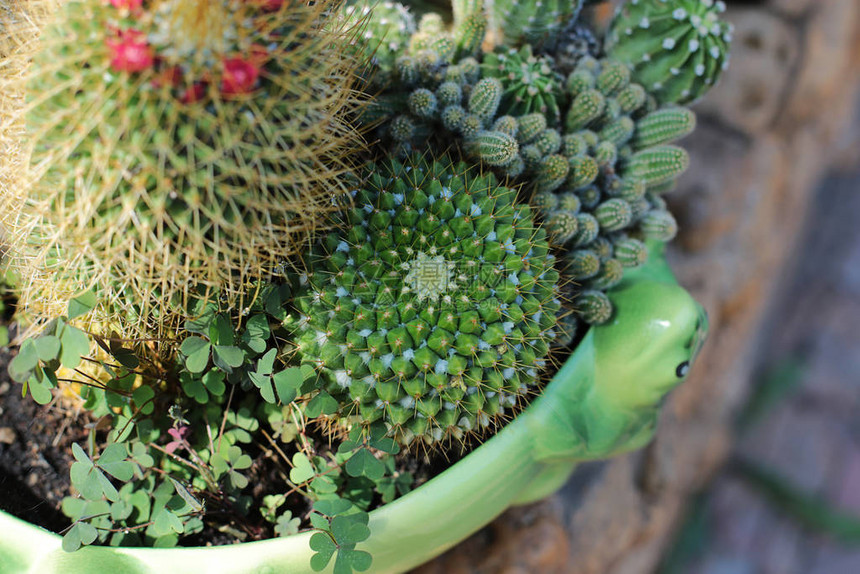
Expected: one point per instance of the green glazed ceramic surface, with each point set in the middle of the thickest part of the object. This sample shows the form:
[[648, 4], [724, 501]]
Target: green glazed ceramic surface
[[604, 401]]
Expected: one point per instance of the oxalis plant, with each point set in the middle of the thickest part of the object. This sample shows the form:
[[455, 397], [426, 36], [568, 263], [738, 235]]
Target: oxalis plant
[[274, 327]]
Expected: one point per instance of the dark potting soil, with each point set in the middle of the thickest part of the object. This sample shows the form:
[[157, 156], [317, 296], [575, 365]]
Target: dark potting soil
[[35, 453]]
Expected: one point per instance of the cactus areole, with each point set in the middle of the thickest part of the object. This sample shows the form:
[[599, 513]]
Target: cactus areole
[[603, 401]]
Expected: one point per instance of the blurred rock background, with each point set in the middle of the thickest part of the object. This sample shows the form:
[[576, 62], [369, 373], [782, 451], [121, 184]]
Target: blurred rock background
[[774, 255]]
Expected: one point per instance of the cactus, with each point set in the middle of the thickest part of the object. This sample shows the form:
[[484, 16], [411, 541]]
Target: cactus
[[594, 307], [582, 264], [659, 225], [434, 309], [494, 148], [594, 138], [470, 26], [663, 126], [485, 98], [587, 107], [536, 22], [530, 82], [385, 29], [176, 153], [657, 165], [613, 214], [677, 50]]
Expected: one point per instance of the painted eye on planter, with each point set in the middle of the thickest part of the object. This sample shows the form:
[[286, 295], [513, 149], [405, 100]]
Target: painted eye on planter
[[682, 369]]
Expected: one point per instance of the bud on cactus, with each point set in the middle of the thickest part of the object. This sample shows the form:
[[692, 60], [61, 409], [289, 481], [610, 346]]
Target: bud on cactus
[[485, 98], [583, 171], [530, 127], [573, 145], [469, 33], [613, 214], [587, 229], [613, 77], [659, 225], [610, 274], [449, 94], [552, 172], [422, 102], [561, 226], [506, 124], [630, 252], [447, 303], [619, 131], [494, 148], [582, 264], [677, 49], [587, 107], [657, 165], [663, 126], [631, 98], [198, 160], [594, 307], [548, 142]]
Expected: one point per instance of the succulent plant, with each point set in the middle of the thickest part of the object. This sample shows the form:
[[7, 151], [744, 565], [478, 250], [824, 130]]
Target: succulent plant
[[536, 22], [179, 149], [385, 29], [530, 83], [433, 310], [595, 139], [677, 50]]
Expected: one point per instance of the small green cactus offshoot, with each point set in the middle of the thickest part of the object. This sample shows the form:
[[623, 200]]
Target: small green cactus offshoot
[[677, 50], [434, 309]]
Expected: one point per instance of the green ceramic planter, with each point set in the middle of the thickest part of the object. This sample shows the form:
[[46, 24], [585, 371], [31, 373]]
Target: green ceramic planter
[[604, 401]]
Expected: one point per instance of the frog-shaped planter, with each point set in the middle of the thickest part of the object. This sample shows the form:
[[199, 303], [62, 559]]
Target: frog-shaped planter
[[604, 401]]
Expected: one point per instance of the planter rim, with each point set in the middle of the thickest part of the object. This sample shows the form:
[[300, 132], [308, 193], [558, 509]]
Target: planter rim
[[587, 411]]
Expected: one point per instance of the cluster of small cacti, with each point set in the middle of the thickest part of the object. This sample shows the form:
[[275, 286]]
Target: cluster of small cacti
[[589, 141], [195, 181], [434, 308], [180, 149], [676, 49]]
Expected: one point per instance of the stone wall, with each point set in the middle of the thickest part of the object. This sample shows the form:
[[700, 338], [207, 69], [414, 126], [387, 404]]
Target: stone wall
[[782, 116]]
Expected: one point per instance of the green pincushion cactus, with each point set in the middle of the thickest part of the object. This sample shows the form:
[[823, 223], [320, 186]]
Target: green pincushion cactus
[[677, 50], [433, 310], [176, 148]]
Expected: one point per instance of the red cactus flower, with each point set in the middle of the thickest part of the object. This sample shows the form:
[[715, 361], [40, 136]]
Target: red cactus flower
[[130, 4], [240, 76], [130, 52]]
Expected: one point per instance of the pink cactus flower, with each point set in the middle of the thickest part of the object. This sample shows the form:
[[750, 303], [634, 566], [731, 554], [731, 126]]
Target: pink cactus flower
[[131, 5], [240, 76], [130, 52]]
